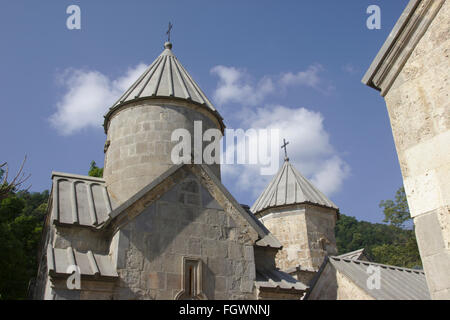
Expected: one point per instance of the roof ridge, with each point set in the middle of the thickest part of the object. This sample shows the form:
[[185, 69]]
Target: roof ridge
[[166, 77], [377, 264], [76, 176], [290, 187]]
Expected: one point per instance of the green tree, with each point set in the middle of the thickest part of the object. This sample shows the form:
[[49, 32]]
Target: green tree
[[404, 254], [95, 171], [21, 219], [391, 243], [396, 212]]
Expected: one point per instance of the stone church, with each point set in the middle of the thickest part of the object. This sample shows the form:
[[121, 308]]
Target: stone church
[[150, 229]]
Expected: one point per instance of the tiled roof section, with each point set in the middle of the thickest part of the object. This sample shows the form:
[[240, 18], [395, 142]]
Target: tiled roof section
[[79, 200], [290, 187], [359, 254], [166, 77], [274, 279], [395, 283], [65, 261]]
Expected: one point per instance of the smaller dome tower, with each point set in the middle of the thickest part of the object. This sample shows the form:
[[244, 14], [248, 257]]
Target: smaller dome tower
[[300, 216]]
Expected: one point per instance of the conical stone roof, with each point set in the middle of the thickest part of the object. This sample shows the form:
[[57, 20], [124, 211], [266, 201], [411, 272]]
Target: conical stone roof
[[165, 78], [290, 187]]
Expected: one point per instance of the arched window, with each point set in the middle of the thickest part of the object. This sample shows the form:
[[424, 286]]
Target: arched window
[[192, 280]]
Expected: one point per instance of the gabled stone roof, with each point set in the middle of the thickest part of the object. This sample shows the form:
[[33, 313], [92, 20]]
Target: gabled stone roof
[[60, 261], [266, 238], [359, 254], [276, 279], [79, 200], [84, 201], [165, 78], [290, 187]]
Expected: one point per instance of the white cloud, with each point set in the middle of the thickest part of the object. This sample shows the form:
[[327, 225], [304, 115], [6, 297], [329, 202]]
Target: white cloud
[[309, 77], [309, 150], [350, 68], [236, 86], [87, 97], [331, 176], [309, 146]]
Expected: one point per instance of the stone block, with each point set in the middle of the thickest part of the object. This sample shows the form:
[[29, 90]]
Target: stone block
[[442, 295], [155, 280], [218, 266], [129, 278], [246, 286], [172, 263], [220, 284], [174, 281], [249, 254], [235, 251], [135, 259], [194, 246], [208, 248], [428, 233], [437, 269]]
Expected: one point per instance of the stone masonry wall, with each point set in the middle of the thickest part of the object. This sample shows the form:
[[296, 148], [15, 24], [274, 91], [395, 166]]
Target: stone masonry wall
[[320, 223], [419, 109], [306, 233], [326, 287], [333, 285], [185, 222], [348, 290], [140, 146]]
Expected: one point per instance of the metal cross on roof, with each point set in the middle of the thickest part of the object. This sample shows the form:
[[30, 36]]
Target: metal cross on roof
[[285, 143], [168, 32]]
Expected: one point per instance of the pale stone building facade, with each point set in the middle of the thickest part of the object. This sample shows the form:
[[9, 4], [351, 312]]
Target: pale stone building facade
[[412, 73], [302, 218], [347, 277], [152, 229]]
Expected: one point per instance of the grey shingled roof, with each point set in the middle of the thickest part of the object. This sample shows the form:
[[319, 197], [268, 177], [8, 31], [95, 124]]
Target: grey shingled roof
[[165, 78], [81, 200], [90, 264], [290, 187], [274, 279], [396, 283]]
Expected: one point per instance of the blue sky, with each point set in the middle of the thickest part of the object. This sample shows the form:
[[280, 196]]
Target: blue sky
[[312, 53]]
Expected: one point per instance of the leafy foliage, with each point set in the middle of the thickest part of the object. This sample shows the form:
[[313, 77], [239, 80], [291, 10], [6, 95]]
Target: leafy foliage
[[391, 243], [95, 171], [21, 219], [396, 212], [385, 244]]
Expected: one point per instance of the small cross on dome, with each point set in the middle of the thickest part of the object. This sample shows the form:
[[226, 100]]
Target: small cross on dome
[[284, 146]]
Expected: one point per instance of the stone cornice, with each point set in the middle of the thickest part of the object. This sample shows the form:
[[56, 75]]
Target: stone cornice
[[406, 34]]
